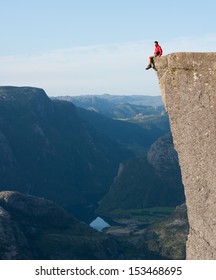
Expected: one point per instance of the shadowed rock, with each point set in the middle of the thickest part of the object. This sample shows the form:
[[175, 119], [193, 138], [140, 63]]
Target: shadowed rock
[[36, 228]]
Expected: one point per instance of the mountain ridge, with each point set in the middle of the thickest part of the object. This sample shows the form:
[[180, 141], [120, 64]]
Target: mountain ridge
[[46, 147], [118, 106]]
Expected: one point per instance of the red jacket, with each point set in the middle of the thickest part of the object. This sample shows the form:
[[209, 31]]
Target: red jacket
[[158, 50]]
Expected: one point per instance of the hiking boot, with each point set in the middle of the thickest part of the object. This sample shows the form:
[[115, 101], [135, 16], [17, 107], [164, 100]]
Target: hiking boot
[[148, 67]]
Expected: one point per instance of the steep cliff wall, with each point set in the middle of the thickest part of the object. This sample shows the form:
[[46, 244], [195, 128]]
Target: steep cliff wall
[[188, 86]]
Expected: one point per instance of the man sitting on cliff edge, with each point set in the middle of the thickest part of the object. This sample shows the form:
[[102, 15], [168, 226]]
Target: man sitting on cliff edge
[[158, 52]]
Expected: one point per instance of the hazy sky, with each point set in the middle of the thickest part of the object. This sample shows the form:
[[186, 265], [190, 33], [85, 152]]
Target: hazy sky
[[97, 46]]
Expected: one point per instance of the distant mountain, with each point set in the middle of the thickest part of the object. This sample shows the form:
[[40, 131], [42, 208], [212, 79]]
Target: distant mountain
[[133, 135], [115, 99], [117, 106], [134, 121]]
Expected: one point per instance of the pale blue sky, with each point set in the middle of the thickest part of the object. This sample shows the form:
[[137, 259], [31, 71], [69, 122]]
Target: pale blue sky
[[97, 46]]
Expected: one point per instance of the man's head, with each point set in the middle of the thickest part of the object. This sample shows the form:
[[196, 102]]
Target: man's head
[[156, 43]]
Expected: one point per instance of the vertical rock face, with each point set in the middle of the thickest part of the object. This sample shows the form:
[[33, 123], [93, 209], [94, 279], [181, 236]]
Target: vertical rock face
[[188, 86]]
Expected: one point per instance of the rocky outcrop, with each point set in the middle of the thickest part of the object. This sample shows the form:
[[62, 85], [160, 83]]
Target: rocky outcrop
[[188, 86], [13, 243], [36, 228], [162, 155]]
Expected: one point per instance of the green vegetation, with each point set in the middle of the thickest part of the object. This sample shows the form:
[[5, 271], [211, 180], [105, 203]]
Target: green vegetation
[[160, 231], [144, 215], [168, 238]]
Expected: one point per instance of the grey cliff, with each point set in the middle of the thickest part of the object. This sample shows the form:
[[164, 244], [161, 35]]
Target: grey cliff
[[188, 86]]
